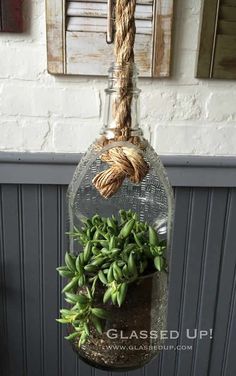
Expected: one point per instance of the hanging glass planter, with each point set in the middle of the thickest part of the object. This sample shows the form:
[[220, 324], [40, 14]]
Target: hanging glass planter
[[120, 212]]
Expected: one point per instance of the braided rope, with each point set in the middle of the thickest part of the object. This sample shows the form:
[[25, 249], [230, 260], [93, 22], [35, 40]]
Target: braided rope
[[123, 161]]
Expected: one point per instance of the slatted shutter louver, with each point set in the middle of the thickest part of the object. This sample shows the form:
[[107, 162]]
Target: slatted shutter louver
[[217, 53], [86, 25]]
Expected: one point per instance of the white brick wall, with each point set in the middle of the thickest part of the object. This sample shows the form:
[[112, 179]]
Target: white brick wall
[[39, 112]]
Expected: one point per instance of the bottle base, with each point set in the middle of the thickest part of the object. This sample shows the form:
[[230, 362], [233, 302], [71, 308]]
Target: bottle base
[[111, 368]]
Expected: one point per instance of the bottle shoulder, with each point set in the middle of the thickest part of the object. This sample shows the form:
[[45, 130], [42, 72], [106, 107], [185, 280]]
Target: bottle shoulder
[[101, 146]]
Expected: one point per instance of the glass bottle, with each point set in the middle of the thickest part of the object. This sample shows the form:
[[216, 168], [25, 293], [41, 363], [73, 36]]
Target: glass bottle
[[133, 333]]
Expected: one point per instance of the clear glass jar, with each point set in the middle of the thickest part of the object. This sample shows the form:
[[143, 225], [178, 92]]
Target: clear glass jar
[[145, 309]]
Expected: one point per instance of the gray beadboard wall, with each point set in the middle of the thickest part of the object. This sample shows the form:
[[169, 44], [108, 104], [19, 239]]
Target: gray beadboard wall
[[32, 243]]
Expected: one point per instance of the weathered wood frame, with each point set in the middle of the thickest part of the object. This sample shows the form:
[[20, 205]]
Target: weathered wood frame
[[161, 50], [55, 26], [162, 38], [207, 39]]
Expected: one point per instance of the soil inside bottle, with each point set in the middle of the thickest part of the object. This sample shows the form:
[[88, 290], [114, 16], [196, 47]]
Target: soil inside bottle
[[129, 336]]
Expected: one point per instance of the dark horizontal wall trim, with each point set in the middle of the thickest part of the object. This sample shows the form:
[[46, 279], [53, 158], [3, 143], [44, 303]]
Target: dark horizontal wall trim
[[49, 168]]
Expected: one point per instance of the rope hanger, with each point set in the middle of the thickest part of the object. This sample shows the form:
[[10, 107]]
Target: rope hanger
[[124, 162]]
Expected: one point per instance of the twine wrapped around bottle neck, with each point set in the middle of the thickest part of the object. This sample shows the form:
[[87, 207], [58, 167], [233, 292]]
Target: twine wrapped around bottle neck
[[124, 162]]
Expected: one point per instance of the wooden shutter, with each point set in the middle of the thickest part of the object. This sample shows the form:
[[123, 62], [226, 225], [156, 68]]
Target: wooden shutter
[[76, 37], [217, 50], [11, 15]]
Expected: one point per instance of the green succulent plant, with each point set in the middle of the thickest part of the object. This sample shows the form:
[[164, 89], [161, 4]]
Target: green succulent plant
[[115, 253]]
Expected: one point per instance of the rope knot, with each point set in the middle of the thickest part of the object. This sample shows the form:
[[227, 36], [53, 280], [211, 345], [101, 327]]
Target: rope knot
[[125, 162]]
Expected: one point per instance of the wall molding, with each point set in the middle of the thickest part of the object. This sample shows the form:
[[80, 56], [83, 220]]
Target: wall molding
[[58, 168]]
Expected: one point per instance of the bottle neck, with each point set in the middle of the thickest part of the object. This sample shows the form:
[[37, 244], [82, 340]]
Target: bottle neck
[[122, 104]]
